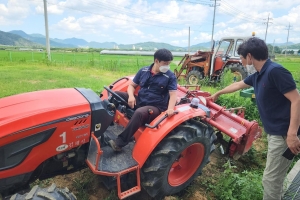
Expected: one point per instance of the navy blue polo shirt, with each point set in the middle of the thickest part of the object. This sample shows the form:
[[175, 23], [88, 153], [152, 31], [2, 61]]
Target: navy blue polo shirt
[[270, 85], [155, 88]]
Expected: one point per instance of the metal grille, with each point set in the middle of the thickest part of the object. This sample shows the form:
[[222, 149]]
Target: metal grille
[[293, 192]]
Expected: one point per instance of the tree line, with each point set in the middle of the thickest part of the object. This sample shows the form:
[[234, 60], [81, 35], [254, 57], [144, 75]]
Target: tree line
[[279, 50]]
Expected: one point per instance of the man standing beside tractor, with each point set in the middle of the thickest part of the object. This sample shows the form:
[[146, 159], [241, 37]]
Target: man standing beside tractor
[[157, 94], [278, 102]]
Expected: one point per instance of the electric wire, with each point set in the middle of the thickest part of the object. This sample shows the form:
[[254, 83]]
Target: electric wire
[[224, 7], [133, 22], [131, 12]]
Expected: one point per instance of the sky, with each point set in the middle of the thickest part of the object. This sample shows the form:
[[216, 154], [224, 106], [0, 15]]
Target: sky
[[134, 21]]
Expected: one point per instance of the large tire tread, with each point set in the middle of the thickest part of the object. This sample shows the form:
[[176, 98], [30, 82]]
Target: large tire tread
[[51, 193], [194, 73], [156, 168], [238, 68]]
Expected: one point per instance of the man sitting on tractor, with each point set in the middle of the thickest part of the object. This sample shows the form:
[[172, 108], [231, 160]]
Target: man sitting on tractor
[[157, 94]]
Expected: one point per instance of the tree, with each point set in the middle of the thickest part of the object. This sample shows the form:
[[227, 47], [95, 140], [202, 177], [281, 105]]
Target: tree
[[277, 49], [270, 48]]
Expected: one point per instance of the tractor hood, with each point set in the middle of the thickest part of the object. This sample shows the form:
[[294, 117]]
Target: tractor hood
[[27, 110]]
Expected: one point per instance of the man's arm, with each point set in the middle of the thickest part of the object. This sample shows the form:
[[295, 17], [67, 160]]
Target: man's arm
[[292, 140], [172, 102], [130, 91], [229, 89]]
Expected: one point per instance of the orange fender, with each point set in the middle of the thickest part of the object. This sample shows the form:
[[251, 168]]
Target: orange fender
[[150, 138]]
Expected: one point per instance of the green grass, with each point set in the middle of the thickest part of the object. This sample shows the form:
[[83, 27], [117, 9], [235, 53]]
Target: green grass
[[26, 72], [88, 70], [20, 78]]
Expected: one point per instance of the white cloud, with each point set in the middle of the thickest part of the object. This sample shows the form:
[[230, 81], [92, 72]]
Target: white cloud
[[175, 33], [203, 37], [134, 31], [51, 9], [130, 21], [68, 24], [13, 12]]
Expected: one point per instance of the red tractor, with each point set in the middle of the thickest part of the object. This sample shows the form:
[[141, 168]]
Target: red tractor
[[59, 131], [213, 64]]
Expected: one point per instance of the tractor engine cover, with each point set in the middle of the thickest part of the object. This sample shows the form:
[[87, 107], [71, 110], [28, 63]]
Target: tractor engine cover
[[38, 126]]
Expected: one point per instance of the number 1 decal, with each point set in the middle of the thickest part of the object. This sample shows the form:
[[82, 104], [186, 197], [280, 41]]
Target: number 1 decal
[[64, 137]]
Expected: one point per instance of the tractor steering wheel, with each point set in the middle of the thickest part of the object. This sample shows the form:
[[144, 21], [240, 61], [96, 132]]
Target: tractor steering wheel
[[117, 97]]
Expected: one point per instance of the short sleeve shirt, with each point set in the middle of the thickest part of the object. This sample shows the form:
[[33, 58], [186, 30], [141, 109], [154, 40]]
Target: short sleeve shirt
[[270, 85], [155, 89]]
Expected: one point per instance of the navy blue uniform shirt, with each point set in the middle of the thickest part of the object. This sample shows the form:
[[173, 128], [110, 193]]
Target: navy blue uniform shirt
[[155, 88], [270, 85]]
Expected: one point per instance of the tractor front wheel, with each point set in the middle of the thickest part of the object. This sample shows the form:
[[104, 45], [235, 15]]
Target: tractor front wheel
[[239, 71], [194, 77], [177, 160]]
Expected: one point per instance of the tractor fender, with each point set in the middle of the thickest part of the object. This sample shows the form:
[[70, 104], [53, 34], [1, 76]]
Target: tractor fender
[[150, 138]]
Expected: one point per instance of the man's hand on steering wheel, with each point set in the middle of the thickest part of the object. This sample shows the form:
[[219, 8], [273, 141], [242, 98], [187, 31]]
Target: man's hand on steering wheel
[[116, 96]]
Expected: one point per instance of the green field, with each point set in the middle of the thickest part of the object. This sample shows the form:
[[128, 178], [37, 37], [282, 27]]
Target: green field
[[30, 71], [25, 71], [20, 73]]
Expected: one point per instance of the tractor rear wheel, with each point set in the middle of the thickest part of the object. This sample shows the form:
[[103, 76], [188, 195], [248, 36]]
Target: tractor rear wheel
[[194, 77], [51, 193], [177, 160]]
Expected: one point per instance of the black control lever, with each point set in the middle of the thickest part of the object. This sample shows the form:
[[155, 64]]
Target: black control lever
[[159, 121]]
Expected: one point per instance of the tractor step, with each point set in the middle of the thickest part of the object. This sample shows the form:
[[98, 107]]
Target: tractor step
[[111, 161], [105, 161]]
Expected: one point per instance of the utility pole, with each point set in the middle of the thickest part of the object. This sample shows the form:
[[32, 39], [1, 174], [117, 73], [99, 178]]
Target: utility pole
[[287, 40], [47, 31], [213, 26], [189, 41], [268, 21], [273, 48]]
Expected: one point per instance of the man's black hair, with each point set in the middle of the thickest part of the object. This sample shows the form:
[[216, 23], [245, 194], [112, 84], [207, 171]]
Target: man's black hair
[[163, 55], [256, 47]]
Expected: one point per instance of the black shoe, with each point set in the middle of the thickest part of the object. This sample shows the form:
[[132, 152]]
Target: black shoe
[[113, 145]]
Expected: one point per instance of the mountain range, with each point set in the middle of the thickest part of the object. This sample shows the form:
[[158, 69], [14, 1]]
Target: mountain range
[[20, 38]]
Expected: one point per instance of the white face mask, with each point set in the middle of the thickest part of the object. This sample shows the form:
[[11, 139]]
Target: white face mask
[[164, 68], [250, 68]]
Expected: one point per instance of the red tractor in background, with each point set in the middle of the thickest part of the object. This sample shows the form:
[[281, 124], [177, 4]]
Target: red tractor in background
[[212, 64], [59, 131]]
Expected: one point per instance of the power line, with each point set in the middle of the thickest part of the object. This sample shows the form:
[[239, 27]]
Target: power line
[[134, 22], [130, 12], [237, 16], [198, 2], [226, 8], [236, 11]]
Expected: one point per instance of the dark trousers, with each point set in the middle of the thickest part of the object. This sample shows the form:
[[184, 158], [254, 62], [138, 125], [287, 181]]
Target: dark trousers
[[140, 117]]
